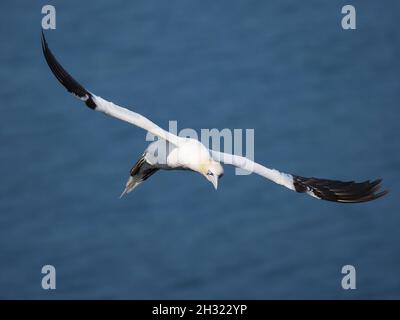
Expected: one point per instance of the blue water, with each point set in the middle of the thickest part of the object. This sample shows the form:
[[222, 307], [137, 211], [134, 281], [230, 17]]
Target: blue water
[[323, 102]]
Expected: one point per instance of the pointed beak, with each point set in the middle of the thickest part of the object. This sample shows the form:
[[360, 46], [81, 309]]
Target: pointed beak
[[214, 181]]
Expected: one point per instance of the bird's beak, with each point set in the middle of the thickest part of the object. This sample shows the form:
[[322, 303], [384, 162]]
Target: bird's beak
[[214, 181]]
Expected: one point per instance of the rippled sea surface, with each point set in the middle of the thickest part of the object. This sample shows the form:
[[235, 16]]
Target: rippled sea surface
[[322, 101]]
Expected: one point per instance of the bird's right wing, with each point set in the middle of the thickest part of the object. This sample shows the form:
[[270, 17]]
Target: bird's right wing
[[99, 104], [325, 189]]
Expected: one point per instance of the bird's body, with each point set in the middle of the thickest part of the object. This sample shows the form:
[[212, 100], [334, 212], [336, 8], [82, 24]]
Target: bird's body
[[160, 154], [172, 152]]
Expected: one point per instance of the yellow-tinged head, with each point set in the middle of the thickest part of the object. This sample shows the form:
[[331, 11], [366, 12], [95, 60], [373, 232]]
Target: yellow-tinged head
[[212, 171]]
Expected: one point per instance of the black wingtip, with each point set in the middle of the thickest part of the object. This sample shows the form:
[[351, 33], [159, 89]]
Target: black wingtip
[[340, 191], [65, 78]]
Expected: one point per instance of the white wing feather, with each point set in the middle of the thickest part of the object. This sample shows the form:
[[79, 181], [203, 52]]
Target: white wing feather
[[99, 104], [276, 176], [134, 118]]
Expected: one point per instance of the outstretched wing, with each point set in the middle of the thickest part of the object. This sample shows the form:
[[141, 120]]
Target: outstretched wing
[[331, 190], [99, 104]]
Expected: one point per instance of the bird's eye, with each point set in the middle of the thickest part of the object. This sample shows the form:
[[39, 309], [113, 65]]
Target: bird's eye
[[209, 173]]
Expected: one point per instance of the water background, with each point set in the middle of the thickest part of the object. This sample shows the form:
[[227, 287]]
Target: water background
[[323, 102]]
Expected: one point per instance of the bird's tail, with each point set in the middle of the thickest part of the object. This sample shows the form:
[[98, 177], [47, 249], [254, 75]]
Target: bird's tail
[[131, 184], [140, 172]]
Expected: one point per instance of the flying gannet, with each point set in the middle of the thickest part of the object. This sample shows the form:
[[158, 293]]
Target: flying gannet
[[190, 154]]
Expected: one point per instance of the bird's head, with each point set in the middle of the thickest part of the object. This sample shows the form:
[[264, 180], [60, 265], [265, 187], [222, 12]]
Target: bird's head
[[212, 171]]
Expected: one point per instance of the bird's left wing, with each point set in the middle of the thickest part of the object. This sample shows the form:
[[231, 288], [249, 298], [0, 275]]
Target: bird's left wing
[[99, 104], [331, 190]]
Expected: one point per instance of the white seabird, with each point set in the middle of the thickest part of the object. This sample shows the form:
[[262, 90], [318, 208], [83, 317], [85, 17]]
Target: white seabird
[[190, 154]]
